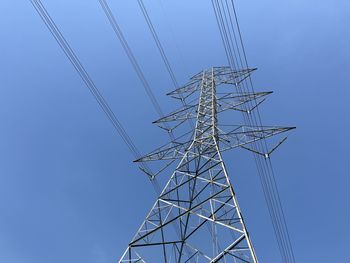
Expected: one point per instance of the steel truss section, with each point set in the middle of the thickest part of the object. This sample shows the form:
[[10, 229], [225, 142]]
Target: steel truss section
[[196, 217]]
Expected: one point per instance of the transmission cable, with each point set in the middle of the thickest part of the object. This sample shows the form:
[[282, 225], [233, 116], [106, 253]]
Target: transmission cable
[[116, 28], [264, 166], [66, 48], [279, 205], [158, 43], [162, 53], [271, 190]]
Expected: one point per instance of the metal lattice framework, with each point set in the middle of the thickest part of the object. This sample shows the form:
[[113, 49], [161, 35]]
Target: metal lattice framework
[[196, 217]]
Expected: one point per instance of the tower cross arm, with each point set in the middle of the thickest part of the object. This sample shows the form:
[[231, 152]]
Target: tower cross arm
[[242, 136]]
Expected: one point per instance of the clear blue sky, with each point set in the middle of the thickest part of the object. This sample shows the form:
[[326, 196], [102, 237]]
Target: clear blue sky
[[68, 189]]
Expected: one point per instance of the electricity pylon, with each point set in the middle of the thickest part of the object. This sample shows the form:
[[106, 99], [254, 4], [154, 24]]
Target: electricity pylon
[[196, 217]]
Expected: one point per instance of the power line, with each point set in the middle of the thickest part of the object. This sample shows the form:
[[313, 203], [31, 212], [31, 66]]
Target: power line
[[116, 28], [158, 43], [174, 38], [161, 51], [232, 49], [66, 48], [269, 163], [266, 181], [276, 196], [232, 63]]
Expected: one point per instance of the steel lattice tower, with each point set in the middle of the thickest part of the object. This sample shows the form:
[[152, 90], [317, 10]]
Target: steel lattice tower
[[196, 217]]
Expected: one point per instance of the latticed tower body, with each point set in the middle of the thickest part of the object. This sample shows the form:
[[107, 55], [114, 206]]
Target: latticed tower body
[[196, 217]]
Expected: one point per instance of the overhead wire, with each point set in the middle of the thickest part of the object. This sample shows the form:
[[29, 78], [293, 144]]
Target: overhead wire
[[118, 32], [271, 176], [270, 197], [174, 38], [232, 63], [116, 28], [161, 51], [264, 165], [158, 43], [70, 54], [269, 162], [268, 191]]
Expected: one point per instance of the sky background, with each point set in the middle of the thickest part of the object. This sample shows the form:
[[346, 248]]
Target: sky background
[[69, 191]]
